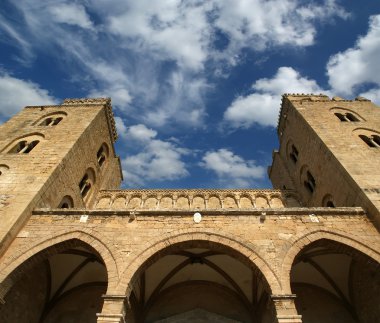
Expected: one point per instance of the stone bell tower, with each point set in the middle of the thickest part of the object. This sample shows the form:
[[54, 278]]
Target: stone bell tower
[[329, 152], [55, 156]]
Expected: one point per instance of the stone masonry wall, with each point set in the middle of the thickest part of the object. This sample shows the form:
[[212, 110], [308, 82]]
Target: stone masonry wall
[[124, 243]]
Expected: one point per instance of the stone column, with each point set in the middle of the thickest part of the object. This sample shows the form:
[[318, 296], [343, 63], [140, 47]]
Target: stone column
[[114, 309], [286, 311]]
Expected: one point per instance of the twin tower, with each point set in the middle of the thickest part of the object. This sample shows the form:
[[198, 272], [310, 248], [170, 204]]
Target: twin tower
[[76, 248]]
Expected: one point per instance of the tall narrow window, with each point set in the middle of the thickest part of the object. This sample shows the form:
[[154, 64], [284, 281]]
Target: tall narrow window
[[84, 185], [101, 156], [309, 183], [294, 154]]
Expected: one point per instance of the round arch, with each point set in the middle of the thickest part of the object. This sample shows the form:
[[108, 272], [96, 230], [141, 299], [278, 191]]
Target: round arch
[[52, 246], [297, 244], [160, 247]]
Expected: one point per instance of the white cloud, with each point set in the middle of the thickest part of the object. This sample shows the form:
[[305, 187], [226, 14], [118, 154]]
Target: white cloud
[[120, 96], [141, 133], [158, 160], [16, 94], [160, 49], [373, 95], [184, 30], [171, 30], [181, 102], [71, 14], [359, 64], [262, 106], [231, 169]]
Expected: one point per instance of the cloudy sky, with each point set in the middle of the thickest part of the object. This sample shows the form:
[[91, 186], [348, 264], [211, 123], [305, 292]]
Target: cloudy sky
[[196, 85]]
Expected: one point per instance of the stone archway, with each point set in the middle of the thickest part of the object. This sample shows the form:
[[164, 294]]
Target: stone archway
[[335, 278], [43, 249], [59, 283], [190, 261]]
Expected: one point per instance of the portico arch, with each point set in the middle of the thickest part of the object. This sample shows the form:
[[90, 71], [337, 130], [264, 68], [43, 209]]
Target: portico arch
[[335, 277], [42, 249], [246, 252], [200, 262], [295, 245]]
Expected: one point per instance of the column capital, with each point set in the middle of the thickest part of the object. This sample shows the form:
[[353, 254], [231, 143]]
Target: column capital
[[285, 308]]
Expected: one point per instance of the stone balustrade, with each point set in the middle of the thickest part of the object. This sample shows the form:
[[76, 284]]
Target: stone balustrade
[[195, 199]]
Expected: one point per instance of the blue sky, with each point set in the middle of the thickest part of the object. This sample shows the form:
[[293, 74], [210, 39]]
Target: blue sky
[[196, 85]]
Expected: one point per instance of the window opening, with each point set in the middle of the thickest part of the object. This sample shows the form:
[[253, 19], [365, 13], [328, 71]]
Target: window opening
[[49, 122], [376, 139], [372, 142], [330, 204], [56, 121], [84, 185], [351, 117], [23, 147], [30, 146], [294, 154], [66, 203], [341, 117], [309, 182], [101, 156]]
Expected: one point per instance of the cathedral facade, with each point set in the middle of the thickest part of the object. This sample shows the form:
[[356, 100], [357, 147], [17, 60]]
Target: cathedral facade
[[76, 248]]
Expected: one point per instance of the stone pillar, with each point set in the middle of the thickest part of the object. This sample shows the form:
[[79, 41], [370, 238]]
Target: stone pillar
[[114, 309], [286, 311]]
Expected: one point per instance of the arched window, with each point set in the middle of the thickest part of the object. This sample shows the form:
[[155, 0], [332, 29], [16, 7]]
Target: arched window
[[66, 203], [351, 117], [102, 154], [330, 204], [372, 141], [328, 201], [341, 117], [23, 147], [294, 154], [309, 182], [345, 116], [51, 121], [86, 183]]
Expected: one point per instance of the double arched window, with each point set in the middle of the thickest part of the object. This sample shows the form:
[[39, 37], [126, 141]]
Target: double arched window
[[369, 136], [307, 179], [23, 147], [86, 183], [102, 154], [346, 115], [51, 119], [25, 144]]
